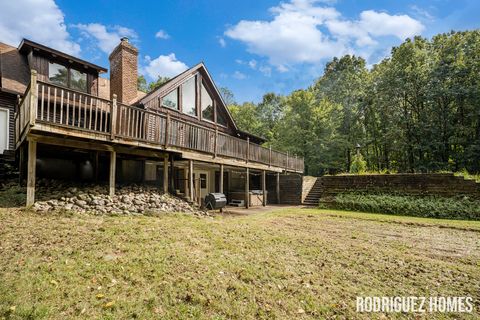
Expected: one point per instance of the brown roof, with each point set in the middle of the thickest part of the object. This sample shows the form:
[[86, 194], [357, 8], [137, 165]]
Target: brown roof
[[26, 45], [14, 73]]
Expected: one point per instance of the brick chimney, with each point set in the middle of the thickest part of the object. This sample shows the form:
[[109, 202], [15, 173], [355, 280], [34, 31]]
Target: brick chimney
[[124, 72]]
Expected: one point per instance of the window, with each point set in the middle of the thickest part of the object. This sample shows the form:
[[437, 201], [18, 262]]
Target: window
[[188, 97], [171, 100], [207, 105], [221, 119], [78, 80], [63, 76], [58, 74]]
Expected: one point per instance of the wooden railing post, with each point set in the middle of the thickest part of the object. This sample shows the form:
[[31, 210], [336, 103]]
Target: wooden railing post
[[215, 143], [248, 149], [33, 97], [167, 130], [295, 163], [113, 117], [270, 156], [286, 165]]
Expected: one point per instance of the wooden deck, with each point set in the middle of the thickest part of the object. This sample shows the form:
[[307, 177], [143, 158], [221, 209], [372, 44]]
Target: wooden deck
[[53, 110]]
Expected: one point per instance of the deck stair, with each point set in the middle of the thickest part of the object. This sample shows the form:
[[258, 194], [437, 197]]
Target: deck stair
[[314, 194]]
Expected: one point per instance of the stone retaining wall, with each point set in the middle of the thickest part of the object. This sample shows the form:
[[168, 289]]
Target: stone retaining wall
[[414, 184]]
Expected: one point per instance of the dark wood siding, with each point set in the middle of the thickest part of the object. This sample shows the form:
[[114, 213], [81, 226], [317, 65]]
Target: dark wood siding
[[7, 101]]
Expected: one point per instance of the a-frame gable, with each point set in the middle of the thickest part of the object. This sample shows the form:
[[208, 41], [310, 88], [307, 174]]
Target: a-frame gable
[[153, 100]]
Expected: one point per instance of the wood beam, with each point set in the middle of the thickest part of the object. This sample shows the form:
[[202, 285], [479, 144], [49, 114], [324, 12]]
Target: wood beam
[[220, 188], [190, 179], [264, 191], [165, 175], [113, 165], [172, 176], [31, 171], [278, 187], [247, 188]]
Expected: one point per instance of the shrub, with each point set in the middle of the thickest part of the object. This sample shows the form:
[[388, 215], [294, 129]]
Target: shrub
[[359, 165], [420, 206]]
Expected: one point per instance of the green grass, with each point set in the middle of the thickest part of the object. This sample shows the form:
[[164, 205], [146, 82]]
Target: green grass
[[421, 206], [291, 263]]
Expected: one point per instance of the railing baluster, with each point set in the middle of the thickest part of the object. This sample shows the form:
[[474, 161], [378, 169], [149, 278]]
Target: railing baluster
[[41, 110], [68, 107], [48, 103]]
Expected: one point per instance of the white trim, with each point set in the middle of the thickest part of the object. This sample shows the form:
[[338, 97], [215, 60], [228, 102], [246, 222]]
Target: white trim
[[8, 128]]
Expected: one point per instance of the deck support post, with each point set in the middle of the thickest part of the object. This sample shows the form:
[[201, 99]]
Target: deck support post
[[247, 188], [264, 191], [172, 176], [165, 175], [190, 179], [113, 165], [278, 187], [220, 187], [31, 168], [21, 164]]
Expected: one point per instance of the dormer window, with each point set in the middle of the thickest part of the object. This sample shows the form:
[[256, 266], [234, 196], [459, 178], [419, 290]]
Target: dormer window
[[68, 77], [78, 80], [58, 74]]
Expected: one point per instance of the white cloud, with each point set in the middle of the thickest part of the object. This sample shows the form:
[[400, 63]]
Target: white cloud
[[238, 75], [107, 38], [383, 24], [265, 70], [252, 64], [165, 66], [222, 42], [302, 31], [162, 34], [38, 20]]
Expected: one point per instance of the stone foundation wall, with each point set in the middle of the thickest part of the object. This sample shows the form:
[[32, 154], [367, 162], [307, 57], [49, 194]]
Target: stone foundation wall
[[414, 184], [291, 189]]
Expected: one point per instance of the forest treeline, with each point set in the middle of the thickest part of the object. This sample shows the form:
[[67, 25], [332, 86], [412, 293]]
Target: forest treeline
[[416, 111]]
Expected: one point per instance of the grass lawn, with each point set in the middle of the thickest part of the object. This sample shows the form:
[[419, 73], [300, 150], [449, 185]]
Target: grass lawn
[[290, 263]]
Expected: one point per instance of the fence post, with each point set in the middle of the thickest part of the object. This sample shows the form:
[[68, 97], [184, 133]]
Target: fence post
[[248, 148], [33, 97], [113, 117], [270, 156]]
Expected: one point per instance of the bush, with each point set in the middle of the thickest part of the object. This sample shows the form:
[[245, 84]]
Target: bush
[[359, 165], [420, 206]]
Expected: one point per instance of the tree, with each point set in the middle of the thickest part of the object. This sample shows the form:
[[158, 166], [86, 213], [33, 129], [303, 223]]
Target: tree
[[156, 84], [227, 96], [142, 84]]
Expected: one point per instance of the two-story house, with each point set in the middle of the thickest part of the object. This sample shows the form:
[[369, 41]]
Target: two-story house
[[66, 121]]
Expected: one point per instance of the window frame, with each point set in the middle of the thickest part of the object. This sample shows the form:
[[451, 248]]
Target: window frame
[[177, 89], [69, 76], [195, 77], [213, 104]]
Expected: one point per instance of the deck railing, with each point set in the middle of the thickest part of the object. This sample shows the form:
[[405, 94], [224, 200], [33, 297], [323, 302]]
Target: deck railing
[[50, 104]]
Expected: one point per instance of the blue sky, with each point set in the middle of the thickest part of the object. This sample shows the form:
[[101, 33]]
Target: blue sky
[[251, 47]]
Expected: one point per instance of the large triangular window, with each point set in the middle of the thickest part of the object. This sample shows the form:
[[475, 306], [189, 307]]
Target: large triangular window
[[171, 100], [221, 119], [188, 97], [207, 105]]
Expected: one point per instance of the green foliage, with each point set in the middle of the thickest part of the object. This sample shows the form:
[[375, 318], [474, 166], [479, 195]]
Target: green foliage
[[144, 87], [415, 111], [359, 165], [142, 84], [427, 206], [156, 84]]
